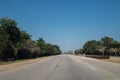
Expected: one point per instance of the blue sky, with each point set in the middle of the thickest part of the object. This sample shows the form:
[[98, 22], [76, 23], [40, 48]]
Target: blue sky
[[68, 23]]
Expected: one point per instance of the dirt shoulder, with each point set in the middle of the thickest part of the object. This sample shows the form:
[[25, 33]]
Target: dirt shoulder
[[113, 59], [18, 64]]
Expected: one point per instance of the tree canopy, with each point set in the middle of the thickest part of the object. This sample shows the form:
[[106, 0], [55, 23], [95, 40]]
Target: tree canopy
[[17, 44], [106, 46]]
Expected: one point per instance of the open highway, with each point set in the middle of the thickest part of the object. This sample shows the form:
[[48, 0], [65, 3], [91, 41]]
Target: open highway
[[64, 67]]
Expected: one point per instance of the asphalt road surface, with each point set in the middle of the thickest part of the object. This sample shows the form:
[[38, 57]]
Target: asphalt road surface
[[64, 67]]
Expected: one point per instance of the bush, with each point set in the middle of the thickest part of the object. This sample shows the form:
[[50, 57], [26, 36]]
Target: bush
[[98, 56], [23, 53], [7, 52]]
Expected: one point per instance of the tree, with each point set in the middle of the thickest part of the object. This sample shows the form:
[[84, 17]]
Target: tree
[[113, 49], [10, 30], [106, 41], [78, 51], [17, 44], [7, 51], [42, 45], [25, 36], [9, 36], [55, 50], [91, 47], [28, 50], [52, 49], [110, 46]]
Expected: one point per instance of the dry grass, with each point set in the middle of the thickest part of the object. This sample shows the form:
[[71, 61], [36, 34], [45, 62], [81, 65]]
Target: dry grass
[[11, 65], [113, 59]]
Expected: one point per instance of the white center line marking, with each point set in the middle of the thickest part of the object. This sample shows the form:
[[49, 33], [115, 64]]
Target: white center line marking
[[93, 68]]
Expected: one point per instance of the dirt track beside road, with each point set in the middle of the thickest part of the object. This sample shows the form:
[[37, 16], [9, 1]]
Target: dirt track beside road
[[18, 64], [113, 59]]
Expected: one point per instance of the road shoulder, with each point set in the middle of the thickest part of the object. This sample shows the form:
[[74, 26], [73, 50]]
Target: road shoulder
[[18, 64]]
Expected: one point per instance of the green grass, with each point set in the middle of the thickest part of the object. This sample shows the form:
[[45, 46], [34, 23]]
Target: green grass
[[9, 62]]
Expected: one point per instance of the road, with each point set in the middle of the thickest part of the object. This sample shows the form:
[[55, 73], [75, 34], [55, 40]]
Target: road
[[64, 67]]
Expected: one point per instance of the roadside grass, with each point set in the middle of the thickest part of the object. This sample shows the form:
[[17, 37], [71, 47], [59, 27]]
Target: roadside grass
[[113, 59], [116, 61], [10, 62], [22, 60], [15, 61]]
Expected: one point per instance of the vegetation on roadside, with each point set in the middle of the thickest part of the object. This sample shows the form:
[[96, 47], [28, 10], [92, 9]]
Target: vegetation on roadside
[[10, 62], [17, 44], [107, 46]]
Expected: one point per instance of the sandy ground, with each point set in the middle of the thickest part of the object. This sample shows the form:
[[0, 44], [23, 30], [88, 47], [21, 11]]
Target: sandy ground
[[113, 59], [18, 64]]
